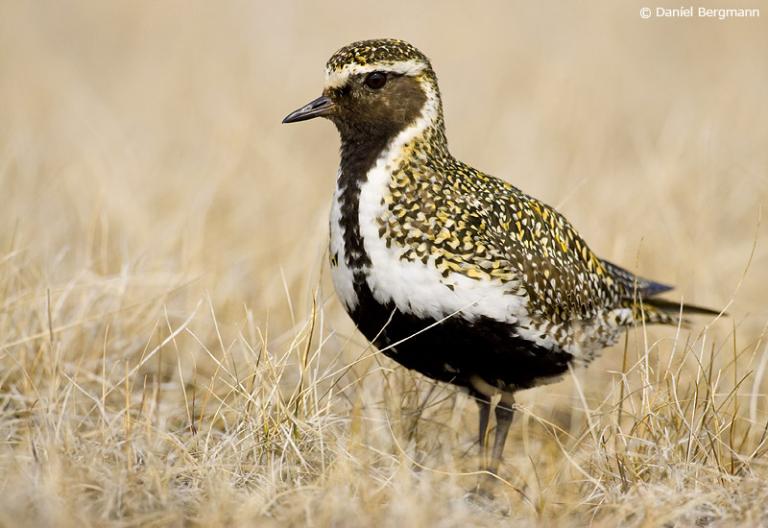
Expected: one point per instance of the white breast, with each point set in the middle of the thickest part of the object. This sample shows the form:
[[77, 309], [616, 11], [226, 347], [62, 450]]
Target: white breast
[[415, 287]]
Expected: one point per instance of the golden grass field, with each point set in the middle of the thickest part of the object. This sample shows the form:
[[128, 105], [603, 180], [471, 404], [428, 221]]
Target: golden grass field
[[171, 350]]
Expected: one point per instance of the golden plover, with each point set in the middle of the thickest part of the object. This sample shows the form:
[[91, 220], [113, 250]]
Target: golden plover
[[449, 271]]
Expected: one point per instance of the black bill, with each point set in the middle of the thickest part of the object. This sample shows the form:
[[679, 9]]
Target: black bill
[[321, 106]]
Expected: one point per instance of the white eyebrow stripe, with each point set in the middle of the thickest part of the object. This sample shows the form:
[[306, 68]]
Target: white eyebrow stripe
[[337, 78]]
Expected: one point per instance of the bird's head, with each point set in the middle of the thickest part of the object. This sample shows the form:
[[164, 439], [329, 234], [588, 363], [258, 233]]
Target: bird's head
[[374, 89]]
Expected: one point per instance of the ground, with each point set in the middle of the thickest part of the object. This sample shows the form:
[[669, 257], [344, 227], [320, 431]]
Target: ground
[[171, 351]]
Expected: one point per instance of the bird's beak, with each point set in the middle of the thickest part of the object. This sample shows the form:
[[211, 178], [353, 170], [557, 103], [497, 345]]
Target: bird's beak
[[322, 106]]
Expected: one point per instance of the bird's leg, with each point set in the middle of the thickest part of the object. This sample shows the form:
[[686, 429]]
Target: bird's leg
[[504, 411], [485, 413]]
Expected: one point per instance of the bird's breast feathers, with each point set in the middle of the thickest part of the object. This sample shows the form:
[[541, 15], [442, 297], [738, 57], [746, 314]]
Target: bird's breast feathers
[[443, 240], [422, 285]]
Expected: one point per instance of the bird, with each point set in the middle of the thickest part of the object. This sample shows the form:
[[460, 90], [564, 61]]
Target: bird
[[452, 272]]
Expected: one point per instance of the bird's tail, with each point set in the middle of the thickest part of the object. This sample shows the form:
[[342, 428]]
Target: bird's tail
[[653, 310], [640, 296]]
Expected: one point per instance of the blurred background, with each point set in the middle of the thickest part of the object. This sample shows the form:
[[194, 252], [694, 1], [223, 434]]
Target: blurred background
[[143, 163], [143, 139]]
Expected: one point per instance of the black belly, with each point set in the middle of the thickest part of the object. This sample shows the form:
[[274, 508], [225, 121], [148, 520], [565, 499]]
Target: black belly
[[456, 350]]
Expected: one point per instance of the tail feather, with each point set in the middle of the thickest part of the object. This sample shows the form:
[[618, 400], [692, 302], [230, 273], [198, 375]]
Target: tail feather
[[666, 312], [674, 307], [640, 297], [633, 283]]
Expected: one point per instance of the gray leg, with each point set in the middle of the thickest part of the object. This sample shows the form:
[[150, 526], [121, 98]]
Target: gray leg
[[485, 413], [504, 414]]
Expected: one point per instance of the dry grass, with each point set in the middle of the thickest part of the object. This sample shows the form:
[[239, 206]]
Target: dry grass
[[171, 352]]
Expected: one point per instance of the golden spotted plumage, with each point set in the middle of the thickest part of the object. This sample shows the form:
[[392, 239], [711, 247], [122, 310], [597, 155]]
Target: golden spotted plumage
[[448, 270], [463, 221]]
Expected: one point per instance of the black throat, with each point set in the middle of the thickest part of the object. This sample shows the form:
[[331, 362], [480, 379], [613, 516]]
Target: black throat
[[357, 158]]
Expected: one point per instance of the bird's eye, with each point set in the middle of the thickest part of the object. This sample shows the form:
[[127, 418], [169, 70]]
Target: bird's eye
[[376, 80]]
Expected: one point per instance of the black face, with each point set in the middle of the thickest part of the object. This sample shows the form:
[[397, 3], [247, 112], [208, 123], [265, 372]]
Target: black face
[[376, 104]]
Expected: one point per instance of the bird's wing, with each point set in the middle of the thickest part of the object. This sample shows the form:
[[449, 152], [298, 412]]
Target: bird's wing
[[563, 278]]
